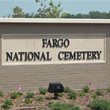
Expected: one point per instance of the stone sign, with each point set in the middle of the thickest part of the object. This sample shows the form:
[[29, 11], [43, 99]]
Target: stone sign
[[53, 49]]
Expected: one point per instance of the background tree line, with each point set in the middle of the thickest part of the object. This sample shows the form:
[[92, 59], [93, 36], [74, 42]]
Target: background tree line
[[55, 11]]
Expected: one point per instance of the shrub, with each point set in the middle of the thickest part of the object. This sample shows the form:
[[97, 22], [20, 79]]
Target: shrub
[[5, 106], [40, 99], [1, 94], [99, 104], [82, 94], [30, 95], [67, 89], [72, 95], [14, 95], [86, 89], [8, 102], [60, 94], [108, 90], [94, 96], [99, 92], [28, 101], [42, 91], [20, 94], [63, 106]]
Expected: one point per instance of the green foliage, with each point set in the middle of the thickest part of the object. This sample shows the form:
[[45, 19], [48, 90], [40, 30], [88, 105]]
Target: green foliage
[[52, 11], [91, 14], [94, 96], [40, 99], [42, 90], [60, 94], [28, 100], [86, 89], [72, 95], [67, 89], [20, 94], [14, 95], [63, 106], [97, 14], [1, 94], [108, 90], [18, 12], [64, 15], [29, 15], [99, 104], [99, 92], [30, 95], [5, 106], [82, 94], [8, 102]]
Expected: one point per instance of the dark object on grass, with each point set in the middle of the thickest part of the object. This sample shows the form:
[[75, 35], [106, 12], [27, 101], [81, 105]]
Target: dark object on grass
[[55, 87]]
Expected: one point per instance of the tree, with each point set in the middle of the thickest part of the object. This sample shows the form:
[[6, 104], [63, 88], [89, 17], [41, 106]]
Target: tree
[[29, 15], [9, 16], [91, 14], [18, 12], [53, 11], [64, 15], [79, 15]]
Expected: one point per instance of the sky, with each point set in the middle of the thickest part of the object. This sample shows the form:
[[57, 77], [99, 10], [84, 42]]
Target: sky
[[70, 6]]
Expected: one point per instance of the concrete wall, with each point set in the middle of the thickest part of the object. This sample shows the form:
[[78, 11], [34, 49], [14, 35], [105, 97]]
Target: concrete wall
[[73, 75]]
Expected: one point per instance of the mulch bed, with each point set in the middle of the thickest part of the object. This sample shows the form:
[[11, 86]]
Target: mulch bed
[[19, 103]]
